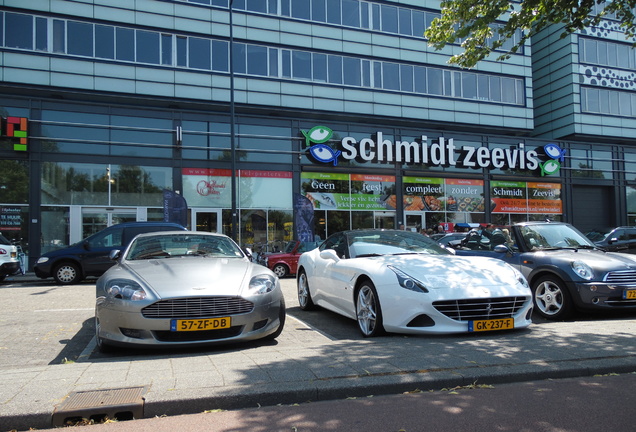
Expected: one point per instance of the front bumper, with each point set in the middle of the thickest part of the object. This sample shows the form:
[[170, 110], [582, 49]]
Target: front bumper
[[593, 295], [124, 328]]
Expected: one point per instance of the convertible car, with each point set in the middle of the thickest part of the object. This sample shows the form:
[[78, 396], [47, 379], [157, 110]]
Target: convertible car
[[404, 282], [180, 288], [564, 268]]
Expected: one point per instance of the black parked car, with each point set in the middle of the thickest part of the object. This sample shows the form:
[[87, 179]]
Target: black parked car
[[619, 239], [89, 257], [566, 270]]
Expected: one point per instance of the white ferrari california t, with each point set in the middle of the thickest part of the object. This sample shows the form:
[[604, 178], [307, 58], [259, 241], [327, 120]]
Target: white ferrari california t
[[404, 282], [181, 288]]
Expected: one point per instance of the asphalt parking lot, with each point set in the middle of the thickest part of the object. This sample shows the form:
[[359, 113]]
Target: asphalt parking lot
[[47, 351]]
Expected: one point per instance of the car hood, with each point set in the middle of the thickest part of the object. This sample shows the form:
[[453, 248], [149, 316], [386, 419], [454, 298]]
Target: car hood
[[602, 261], [175, 277], [459, 273]]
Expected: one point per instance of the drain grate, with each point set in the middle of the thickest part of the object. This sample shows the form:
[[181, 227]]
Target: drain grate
[[98, 405]]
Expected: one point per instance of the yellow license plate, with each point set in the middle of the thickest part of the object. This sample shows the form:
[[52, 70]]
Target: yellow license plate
[[491, 325], [629, 294], [201, 324]]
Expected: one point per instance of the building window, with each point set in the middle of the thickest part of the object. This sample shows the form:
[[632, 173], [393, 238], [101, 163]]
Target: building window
[[148, 47]]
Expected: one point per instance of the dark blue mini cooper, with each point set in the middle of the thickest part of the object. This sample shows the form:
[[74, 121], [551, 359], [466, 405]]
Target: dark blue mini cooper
[[565, 270]]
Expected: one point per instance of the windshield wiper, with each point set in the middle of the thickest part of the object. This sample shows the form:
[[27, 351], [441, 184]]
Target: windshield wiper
[[368, 255]]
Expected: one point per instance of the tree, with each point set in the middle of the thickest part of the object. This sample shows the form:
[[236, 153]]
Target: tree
[[484, 26]]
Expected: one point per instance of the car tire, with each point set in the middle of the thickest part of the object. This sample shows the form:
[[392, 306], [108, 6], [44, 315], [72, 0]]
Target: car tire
[[280, 270], [368, 311], [282, 314], [551, 298], [102, 346], [304, 295], [67, 273]]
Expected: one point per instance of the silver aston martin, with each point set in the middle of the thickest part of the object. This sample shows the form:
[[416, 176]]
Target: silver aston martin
[[181, 288]]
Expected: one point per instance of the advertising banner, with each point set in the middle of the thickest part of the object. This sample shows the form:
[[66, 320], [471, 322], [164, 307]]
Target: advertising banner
[[345, 192], [544, 198], [203, 187], [175, 208], [508, 197], [530, 198], [423, 194], [10, 219], [464, 195]]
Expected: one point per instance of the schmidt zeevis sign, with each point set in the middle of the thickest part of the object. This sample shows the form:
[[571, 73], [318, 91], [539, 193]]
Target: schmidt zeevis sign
[[442, 152]]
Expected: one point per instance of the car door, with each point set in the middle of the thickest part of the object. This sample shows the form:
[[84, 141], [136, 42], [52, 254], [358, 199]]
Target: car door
[[95, 258], [329, 273]]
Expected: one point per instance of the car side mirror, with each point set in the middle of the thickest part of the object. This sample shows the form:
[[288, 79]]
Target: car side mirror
[[248, 253], [501, 249], [329, 254], [612, 240], [114, 254], [86, 245]]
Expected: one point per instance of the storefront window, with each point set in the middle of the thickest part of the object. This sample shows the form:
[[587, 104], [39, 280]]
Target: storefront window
[[97, 184], [55, 228]]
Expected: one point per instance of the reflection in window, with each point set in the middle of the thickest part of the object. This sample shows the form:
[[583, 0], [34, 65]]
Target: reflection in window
[[99, 184], [588, 163]]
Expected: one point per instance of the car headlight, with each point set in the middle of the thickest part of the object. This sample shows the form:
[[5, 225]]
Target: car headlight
[[520, 278], [42, 260], [408, 282], [124, 289], [262, 284], [583, 270]]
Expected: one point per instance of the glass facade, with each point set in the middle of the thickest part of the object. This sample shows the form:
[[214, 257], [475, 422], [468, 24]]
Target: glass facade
[[76, 38]]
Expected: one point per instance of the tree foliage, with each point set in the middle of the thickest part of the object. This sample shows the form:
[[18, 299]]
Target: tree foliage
[[474, 23]]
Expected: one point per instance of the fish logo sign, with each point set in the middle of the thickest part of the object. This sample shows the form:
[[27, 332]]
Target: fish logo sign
[[317, 136], [556, 155]]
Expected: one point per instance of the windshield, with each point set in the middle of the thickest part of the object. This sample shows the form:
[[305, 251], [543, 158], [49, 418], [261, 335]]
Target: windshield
[[553, 236], [289, 247], [370, 243], [182, 245]]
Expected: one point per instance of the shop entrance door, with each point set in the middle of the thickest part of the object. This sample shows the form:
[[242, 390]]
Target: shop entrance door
[[415, 221], [95, 219], [384, 220], [207, 220]]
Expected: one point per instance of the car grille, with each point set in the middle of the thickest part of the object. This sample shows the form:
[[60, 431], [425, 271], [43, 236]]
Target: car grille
[[621, 277], [480, 309], [197, 307]]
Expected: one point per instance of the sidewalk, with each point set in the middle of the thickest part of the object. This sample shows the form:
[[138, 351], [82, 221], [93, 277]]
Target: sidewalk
[[305, 365]]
